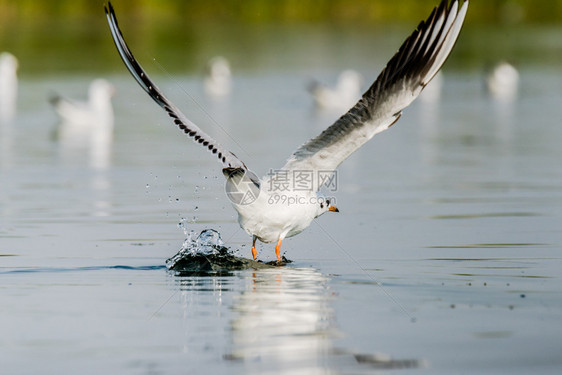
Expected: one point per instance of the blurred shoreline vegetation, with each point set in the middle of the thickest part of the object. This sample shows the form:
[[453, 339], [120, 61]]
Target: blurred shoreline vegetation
[[280, 11], [72, 36]]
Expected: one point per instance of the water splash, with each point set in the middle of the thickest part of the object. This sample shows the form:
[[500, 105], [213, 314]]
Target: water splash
[[208, 242], [204, 254]]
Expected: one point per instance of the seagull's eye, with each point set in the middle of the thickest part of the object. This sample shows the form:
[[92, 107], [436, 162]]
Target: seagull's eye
[[321, 205], [327, 202]]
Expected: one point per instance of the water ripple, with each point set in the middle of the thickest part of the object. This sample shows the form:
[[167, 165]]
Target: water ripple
[[80, 269]]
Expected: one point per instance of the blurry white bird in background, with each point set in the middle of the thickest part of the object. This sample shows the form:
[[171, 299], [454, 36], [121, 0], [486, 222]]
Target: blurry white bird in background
[[502, 82], [343, 95], [8, 86], [87, 124], [96, 111], [218, 82]]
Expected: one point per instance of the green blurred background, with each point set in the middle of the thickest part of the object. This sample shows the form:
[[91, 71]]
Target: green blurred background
[[71, 36]]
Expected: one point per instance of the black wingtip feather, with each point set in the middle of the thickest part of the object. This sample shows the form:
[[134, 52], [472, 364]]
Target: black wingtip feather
[[148, 86], [415, 63], [408, 60]]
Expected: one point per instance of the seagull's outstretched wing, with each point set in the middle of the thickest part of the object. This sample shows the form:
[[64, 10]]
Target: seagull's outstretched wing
[[228, 159], [401, 81]]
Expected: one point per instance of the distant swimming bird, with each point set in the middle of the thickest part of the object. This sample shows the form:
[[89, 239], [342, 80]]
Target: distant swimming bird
[[8, 86], [284, 203], [218, 81], [343, 95], [97, 111], [87, 125], [502, 81]]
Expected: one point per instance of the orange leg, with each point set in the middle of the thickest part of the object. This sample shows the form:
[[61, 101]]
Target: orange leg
[[278, 250], [254, 252]]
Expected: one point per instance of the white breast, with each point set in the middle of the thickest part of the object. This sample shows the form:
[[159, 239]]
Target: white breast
[[277, 215]]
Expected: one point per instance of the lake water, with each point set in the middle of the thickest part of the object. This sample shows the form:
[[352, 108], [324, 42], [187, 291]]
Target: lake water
[[446, 256]]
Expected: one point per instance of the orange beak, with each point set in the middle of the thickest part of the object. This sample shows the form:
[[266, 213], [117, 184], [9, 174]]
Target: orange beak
[[333, 209]]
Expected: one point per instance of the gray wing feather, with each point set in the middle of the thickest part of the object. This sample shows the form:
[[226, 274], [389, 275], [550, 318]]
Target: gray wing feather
[[414, 65], [227, 158]]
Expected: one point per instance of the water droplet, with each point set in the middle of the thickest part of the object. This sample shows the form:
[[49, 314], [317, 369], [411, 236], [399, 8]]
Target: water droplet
[[196, 208], [147, 186], [183, 225]]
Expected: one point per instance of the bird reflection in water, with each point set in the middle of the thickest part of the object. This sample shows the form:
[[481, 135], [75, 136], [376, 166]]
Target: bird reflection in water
[[276, 320], [284, 323]]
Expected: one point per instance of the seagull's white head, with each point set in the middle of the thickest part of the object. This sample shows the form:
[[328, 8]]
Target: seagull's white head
[[101, 90], [218, 68], [100, 94], [8, 62], [325, 205], [350, 82]]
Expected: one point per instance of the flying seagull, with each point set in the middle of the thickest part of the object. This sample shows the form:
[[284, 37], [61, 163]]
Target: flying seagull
[[271, 214]]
